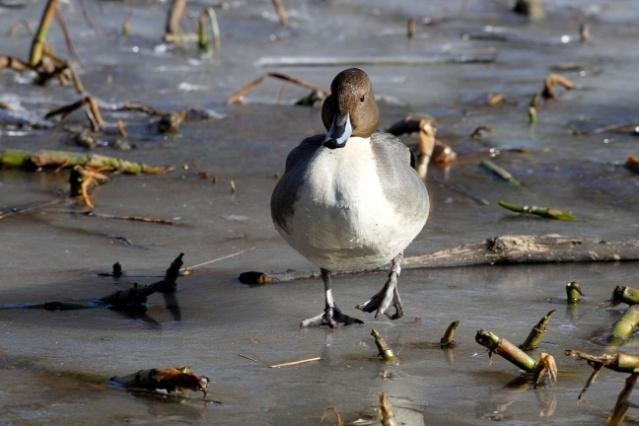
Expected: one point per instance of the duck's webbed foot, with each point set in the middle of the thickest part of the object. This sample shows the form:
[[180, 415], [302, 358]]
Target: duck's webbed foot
[[388, 296], [332, 317]]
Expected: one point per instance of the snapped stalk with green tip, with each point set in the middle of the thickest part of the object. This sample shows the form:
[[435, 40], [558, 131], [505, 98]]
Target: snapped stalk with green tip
[[624, 327], [541, 369], [624, 294], [448, 339], [573, 292], [537, 333], [384, 350], [547, 212]]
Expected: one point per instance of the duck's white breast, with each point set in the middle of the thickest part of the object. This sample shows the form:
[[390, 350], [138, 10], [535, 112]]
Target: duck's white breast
[[342, 218]]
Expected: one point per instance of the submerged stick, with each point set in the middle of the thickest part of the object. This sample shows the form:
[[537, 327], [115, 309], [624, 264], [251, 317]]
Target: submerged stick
[[448, 339], [573, 292], [537, 333], [501, 250], [625, 326], [138, 294], [66, 159], [384, 350], [548, 212], [500, 172]]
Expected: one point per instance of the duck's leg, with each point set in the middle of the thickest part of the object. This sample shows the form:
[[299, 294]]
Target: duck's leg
[[332, 316], [388, 295]]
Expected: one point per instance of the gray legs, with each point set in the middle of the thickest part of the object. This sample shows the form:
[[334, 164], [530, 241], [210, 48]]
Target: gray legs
[[388, 295], [332, 316]]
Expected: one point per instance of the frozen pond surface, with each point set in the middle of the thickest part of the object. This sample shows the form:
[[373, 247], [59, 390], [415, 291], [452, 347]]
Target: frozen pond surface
[[55, 365]]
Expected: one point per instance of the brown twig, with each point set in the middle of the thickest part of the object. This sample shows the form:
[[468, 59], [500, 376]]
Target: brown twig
[[281, 12], [15, 64], [246, 89], [174, 17], [67, 36], [339, 421], [293, 363], [553, 80]]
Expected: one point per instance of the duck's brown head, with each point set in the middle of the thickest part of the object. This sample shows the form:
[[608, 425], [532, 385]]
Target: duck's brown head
[[350, 110]]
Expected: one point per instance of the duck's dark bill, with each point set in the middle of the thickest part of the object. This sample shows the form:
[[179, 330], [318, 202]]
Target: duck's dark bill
[[339, 132]]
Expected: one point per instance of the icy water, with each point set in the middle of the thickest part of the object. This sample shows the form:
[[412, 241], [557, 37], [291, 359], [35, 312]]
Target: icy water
[[55, 366]]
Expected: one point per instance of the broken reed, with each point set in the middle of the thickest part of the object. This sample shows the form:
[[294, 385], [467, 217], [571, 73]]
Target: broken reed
[[40, 37], [624, 327], [506, 350], [66, 159], [384, 350], [624, 294], [537, 333], [448, 339], [573, 292], [545, 367]]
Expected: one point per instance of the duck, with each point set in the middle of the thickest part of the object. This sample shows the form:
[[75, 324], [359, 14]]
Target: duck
[[349, 200]]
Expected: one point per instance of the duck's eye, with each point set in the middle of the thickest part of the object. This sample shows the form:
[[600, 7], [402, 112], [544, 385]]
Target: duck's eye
[[362, 99]]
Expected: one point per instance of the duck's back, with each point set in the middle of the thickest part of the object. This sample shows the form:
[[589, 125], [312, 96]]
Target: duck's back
[[353, 207]]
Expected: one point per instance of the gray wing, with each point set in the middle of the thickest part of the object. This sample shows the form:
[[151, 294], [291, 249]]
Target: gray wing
[[400, 182], [286, 191]]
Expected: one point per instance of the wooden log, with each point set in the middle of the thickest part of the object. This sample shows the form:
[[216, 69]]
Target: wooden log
[[502, 250]]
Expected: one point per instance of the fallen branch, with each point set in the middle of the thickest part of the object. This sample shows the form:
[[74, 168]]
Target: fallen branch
[[620, 362], [503, 250], [66, 159]]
